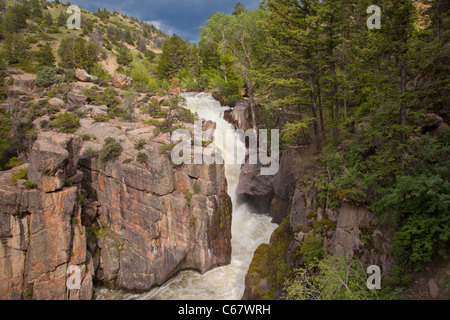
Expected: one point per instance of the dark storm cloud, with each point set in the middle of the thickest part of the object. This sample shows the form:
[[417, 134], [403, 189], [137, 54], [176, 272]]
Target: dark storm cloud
[[182, 17]]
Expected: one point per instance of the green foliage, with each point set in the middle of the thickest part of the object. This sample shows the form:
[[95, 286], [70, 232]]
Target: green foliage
[[109, 98], [20, 175], [66, 123], [140, 145], [196, 188], [45, 56], [30, 185], [124, 55], [142, 157], [337, 279], [172, 58], [46, 76], [110, 151], [13, 162], [312, 249], [166, 148]]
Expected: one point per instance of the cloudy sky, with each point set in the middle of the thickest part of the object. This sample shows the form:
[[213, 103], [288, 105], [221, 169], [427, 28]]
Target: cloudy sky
[[183, 17]]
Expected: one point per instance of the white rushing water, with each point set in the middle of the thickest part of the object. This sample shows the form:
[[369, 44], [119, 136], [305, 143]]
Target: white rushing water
[[249, 230]]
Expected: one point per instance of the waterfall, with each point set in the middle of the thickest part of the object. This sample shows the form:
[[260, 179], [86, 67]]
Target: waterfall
[[249, 230]]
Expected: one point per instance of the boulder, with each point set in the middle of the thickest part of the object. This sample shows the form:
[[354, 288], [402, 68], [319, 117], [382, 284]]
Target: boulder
[[83, 76], [39, 242], [53, 160], [254, 187], [119, 80], [24, 83], [75, 99], [241, 115], [95, 111], [56, 102]]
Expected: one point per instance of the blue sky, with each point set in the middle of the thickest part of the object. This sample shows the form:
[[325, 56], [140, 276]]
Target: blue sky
[[183, 17]]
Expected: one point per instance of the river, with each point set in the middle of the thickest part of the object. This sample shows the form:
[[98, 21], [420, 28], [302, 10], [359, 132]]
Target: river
[[249, 230]]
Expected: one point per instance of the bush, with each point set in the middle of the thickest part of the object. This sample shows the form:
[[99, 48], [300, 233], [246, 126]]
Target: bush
[[46, 77], [30, 185], [13, 162], [66, 123], [19, 175], [142, 157], [140, 144], [111, 150], [338, 278]]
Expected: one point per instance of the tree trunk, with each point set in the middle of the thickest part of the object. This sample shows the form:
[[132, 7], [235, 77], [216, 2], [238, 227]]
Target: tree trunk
[[314, 110], [403, 73], [319, 93], [336, 103]]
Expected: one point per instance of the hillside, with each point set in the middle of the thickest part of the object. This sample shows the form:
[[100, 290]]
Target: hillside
[[110, 34]]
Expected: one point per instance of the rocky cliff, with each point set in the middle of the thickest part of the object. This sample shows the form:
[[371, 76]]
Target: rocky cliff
[[350, 230], [130, 223]]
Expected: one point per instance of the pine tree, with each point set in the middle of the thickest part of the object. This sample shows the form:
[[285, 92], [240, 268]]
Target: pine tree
[[294, 29], [45, 56], [172, 57], [66, 53]]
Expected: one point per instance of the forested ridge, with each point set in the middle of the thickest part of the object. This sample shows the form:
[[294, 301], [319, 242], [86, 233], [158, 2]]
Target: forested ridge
[[373, 104]]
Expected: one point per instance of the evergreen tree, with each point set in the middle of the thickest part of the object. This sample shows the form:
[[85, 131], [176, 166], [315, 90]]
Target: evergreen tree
[[238, 9], [124, 55], [45, 56], [172, 58]]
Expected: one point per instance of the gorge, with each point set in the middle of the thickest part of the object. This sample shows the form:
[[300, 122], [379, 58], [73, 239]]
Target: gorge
[[249, 230]]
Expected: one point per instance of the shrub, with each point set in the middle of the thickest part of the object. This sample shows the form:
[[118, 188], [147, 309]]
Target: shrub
[[142, 157], [111, 150], [13, 162], [166, 148], [338, 278], [311, 249], [66, 123], [19, 175], [140, 144], [46, 77], [90, 153], [30, 185], [196, 188]]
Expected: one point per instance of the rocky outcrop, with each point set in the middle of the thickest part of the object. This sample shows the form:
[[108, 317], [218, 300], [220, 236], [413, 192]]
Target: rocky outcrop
[[83, 76], [54, 160], [241, 116], [351, 231], [119, 80], [153, 220], [75, 99], [41, 236], [24, 83], [94, 111], [127, 223], [272, 194], [254, 188]]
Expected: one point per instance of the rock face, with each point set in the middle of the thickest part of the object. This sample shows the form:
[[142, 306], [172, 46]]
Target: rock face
[[24, 83], [54, 160], [240, 115], [126, 223], [41, 237], [119, 80], [351, 231], [155, 221], [75, 99], [272, 194]]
